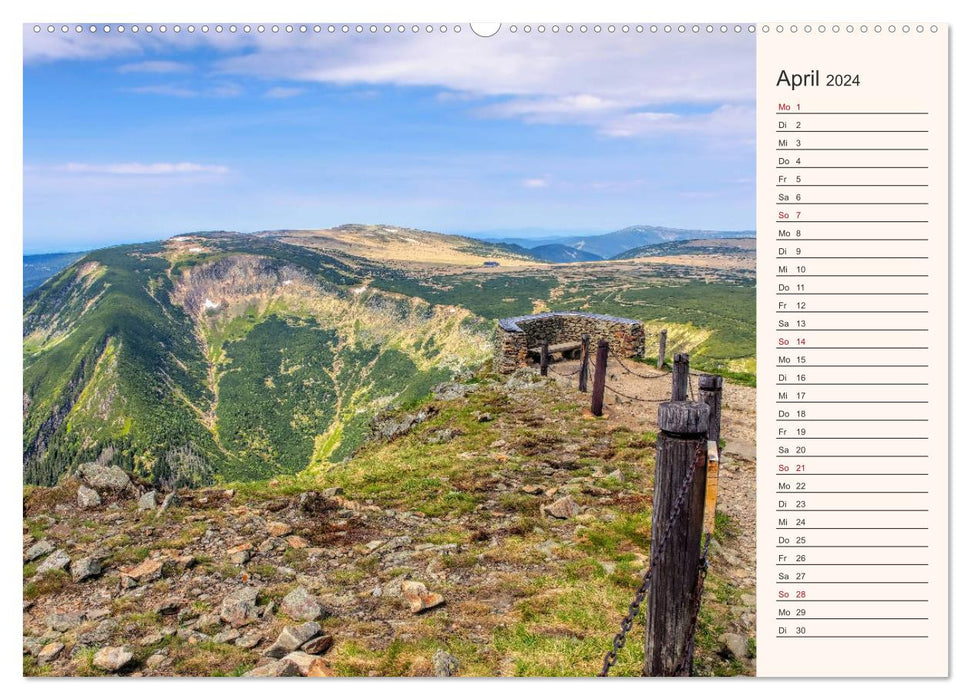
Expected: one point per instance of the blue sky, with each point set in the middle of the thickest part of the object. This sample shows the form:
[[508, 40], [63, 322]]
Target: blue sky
[[135, 137]]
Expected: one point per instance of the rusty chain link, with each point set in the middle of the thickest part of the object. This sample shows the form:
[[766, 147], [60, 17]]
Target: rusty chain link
[[687, 654]]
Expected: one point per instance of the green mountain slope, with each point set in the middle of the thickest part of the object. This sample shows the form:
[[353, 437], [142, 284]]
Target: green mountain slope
[[222, 356]]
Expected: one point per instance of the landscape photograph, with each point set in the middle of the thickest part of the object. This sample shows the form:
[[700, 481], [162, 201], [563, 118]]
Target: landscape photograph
[[361, 350]]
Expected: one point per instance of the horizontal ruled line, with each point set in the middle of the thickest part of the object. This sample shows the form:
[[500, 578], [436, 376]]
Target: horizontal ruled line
[[856, 492], [882, 184], [840, 240], [882, 148], [848, 510], [851, 257], [853, 221], [851, 131], [855, 114], [816, 583], [799, 475]]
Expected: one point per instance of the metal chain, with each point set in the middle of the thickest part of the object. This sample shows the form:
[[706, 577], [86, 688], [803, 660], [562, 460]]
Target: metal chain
[[564, 374], [687, 654], [636, 374], [620, 639], [633, 398]]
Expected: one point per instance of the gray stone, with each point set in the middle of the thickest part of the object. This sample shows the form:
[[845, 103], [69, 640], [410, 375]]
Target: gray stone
[[226, 636], [275, 669], [88, 498], [38, 550], [616, 475], [249, 640], [155, 660], [100, 634], [49, 652], [58, 561], [562, 508], [62, 622], [444, 664], [85, 568], [99, 476], [148, 501], [301, 605], [318, 645], [239, 607], [111, 658], [171, 500], [292, 638], [736, 644]]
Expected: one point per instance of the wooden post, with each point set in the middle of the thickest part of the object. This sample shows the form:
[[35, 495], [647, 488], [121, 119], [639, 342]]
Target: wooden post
[[544, 359], [662, 347], [710, 394], [584, 361], [599, 379], [679, 377], [681, 448]]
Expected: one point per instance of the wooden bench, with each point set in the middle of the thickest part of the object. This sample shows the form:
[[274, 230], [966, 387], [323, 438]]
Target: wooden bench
[[566, 350]]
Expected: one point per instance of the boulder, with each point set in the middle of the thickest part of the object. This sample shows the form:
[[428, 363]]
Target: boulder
[[301, 605], [57, 561], [62, 622], [38, 550], [170, 500], [318, 645], [99, 476], [735, 644], [419, 598], [85, 568], [145, 572], [562, 508], [292, 638], [148, 501], [308, 664], [275, 669], [111, 658], [49, 652], [277, 528], [239, 607], [88, 498]]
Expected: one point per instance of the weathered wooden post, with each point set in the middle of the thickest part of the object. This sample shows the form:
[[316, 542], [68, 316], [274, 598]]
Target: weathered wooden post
[[544, 359], [710, 394], [675, 545], [662, 347], [679, 377], [599, 379], [584, 361]]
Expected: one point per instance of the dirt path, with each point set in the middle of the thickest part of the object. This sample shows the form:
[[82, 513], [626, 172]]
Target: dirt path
[[636, 406]]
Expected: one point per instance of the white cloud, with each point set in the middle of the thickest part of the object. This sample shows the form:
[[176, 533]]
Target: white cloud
[[169, 90], [536, 182], [155, 67], [183, 168], [281, 93]]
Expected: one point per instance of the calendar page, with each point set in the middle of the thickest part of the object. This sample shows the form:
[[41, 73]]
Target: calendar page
[[438, 349]]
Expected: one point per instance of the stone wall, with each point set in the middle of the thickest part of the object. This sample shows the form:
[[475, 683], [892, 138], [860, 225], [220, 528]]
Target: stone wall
[[514, 336]]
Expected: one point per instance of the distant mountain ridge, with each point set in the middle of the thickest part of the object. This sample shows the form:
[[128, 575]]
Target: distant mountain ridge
[[610, 245], [559, 253]]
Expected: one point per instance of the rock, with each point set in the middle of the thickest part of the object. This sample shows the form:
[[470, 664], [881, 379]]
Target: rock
[[275, 669], [240, 554], [617, 475], [736, 644], [108, 477], [169, 606], [308, 664], [100, 634], [484, 417], [57, 561], [62, 622], [444, 664], [170, 501], [249, 640], [292, 638], [42, 547], [301, 605], [239, 607], [88, 498], [418, 598], [532, 489], [332, 491], [145, 572], [277, 528], [148, 501], [85, 568], [155, 660], [297, 542], [449, 391], [318, 645], [150, 639], [111, 658], [226, 636], [562, 508], [49, 652]]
